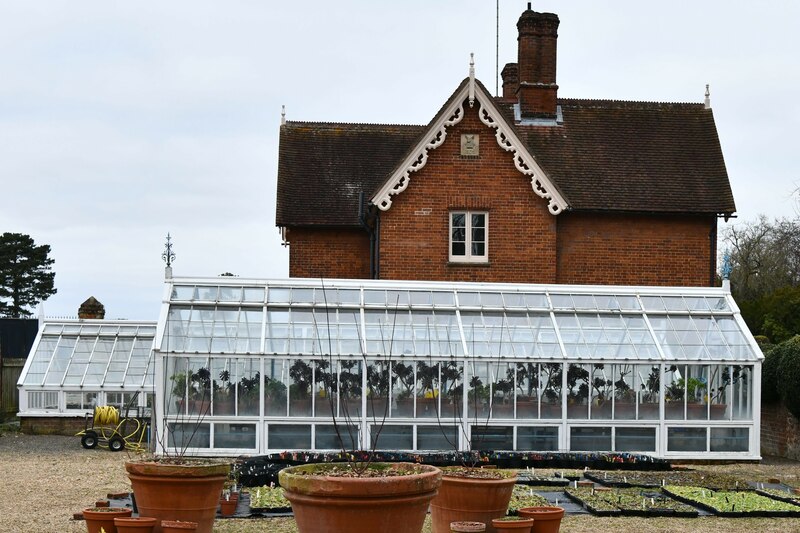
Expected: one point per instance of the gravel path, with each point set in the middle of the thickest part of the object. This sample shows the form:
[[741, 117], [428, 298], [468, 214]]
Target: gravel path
[[45, 479]]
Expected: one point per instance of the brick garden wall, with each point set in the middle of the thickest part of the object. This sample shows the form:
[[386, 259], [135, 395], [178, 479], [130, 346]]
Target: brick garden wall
[[780, 432], [32, 425], [329, 253], [596, 249]]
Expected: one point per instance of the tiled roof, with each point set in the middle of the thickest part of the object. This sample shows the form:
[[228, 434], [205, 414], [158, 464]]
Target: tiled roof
[[635, 156], [607, 156], [322, 168]]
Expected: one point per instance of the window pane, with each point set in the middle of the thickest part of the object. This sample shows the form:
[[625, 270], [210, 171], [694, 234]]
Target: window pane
[[730, 439], [288, 437], [686, 439], [479, 220], [235, 436], [190, 435], [478, 249], [459, 248], [393, 437], [459, 220], [492, 438], [636, 439], [327, 439], [590, 439], [437, 437], [537, 438]]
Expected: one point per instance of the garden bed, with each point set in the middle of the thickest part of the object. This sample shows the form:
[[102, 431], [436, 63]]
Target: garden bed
[[696, 478], [524, 496], [787, 496], [630, 502], [268, 499], [732, 504]]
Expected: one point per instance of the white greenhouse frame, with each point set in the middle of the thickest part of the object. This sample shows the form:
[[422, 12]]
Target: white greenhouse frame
[[669, 371], [75, 365]]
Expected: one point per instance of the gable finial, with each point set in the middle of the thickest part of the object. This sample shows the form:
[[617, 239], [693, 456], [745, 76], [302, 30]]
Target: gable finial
[[708, 98], [283, 115], [471, 79]]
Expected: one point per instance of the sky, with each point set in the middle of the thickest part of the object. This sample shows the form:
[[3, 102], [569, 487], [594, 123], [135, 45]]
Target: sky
[[121, 122]]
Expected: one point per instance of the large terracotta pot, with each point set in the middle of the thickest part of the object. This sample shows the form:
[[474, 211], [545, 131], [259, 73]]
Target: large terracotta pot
[[188, 492], [98, 518], [382, 504], [470, 499], [138, 524], [545, 519]]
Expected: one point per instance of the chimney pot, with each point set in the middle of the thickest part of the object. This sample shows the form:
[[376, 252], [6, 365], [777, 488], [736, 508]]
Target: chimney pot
[[510, 74]]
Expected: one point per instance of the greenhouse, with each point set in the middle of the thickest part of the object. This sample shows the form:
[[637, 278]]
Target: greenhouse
[[75, 365], [247, 367]]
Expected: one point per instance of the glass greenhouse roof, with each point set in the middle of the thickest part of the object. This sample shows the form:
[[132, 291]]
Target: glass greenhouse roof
[[92, 353], [412, 319]]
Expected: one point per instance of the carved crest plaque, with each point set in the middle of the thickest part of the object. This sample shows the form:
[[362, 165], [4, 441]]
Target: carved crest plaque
[[470, 144]]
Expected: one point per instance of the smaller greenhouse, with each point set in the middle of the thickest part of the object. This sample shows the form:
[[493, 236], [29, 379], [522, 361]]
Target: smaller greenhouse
[[75, 365], [249, 367]]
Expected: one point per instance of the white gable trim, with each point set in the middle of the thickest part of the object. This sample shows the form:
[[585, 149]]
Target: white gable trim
[[506, 139]]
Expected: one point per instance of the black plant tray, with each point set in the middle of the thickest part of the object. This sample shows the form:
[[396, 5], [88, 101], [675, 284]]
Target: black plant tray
[[620, 484], [524, 479], [733, 514]]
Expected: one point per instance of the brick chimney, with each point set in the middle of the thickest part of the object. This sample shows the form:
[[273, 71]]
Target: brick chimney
[[91, 308], [538, 33], [510, 74]]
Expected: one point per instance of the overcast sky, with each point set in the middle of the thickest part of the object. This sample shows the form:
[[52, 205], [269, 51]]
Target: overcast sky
[[122, 121]]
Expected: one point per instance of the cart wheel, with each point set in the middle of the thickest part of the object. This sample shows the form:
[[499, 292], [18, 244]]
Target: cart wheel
[[89, 440], [116, 444]]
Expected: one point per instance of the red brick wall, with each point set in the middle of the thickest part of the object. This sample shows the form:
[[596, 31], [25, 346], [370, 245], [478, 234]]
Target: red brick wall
[[33, 425], [329, 253], [780, 432], [634, 249], [414, 235]]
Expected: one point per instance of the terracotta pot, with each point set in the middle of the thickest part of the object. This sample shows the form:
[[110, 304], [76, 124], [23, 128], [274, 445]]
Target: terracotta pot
[[188, 492], [545, 519], [103, 517], [178, 526], [474, 500], [467, 527], [139, 524], [384, 504], [512, 526], [228, 507]]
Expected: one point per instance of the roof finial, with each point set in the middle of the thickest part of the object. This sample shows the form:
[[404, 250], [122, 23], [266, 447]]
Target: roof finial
[[283, 115], [708, 98], [168, 257], [471, 79]]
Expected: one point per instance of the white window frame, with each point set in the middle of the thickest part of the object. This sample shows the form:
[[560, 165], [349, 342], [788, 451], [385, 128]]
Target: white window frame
[[468, 257]]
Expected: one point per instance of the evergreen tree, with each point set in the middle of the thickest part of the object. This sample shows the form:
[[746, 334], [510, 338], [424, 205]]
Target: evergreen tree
[[25, 275]]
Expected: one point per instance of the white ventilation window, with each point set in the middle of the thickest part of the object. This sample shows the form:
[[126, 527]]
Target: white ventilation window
[[43, 400], [469, 237]]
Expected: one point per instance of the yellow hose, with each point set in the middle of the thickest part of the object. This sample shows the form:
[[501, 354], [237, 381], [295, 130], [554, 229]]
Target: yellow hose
[[106, 415]]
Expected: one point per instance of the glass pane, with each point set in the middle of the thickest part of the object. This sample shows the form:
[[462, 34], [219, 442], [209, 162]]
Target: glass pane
[[578, 391], [300, 386], [537, 439], [289, 437], [686, 439], [402, 405], [392, 437], [235, 436], [275, 387], [730, 439], [742, 393], [437, 437], [635, 439], [590, 439], [427, 391], [550, 375], [191, 435], [648, 378], [459, 249], [330, 437], [602, 391], [492, 438]]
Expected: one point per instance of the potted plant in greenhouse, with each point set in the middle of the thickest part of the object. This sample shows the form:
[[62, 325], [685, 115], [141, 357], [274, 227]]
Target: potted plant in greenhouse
[[360, 495], [527, 382], [551, 391], [719, 405], [503, 398], [224, 395], [301, 375], [577, 391], [650, 394], [601, 392], [624, 396]]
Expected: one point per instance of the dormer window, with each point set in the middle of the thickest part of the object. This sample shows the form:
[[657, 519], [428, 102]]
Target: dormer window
[[469, 238]]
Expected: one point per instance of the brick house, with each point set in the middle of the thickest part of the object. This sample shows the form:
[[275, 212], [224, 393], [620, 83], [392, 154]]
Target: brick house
[[525, 187]]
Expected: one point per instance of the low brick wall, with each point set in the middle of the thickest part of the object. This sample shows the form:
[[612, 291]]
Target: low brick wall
[[32, 425], [780, 432]]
